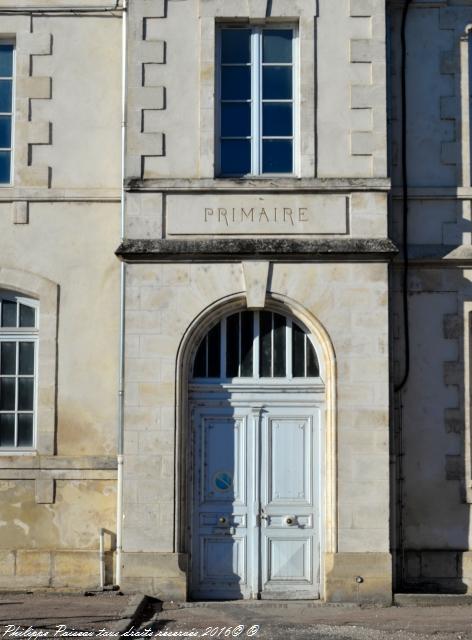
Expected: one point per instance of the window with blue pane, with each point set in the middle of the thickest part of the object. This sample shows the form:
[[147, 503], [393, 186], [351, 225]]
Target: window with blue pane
[[6, 111], [18, 355], [256, 101]]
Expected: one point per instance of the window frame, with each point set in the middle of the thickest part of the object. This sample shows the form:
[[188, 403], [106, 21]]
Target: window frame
[[11, 149], [256, 97], [273, 380], [17, 335]]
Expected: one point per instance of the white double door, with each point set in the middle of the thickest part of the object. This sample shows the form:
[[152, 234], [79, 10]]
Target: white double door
[[256, 507]]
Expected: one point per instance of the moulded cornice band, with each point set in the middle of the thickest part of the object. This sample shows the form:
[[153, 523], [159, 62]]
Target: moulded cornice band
[[235, 249]]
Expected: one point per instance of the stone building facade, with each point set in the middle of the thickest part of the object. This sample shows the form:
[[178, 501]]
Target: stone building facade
[[60, 225], [257, 410]]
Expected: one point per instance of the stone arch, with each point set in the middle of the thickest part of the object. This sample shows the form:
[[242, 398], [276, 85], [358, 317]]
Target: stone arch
[[327, 361]]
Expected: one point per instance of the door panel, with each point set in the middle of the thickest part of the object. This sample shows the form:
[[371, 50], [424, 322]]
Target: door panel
[[289, 559], [255, 516], [289, 459], [220, 513], [290, 511]]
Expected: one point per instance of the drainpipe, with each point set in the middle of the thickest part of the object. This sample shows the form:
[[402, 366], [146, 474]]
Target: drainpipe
[[120, 439]]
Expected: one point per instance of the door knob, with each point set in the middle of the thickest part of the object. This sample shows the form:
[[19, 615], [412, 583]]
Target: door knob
[[289, 520]]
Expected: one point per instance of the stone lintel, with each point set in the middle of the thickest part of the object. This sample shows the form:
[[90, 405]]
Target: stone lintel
[[235, 249]]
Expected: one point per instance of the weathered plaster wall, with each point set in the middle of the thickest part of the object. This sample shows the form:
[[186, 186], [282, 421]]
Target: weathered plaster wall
[[59, 225], [52, 244], [54, 545]]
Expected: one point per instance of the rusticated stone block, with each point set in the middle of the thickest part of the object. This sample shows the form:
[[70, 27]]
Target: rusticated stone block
[[359, 577]]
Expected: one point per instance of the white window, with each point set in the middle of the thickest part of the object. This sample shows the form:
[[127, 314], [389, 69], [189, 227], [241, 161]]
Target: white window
[[6, 111], [256, 344], [256, 94], [18, 356]]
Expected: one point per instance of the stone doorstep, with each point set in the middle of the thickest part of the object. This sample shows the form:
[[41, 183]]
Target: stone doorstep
[[265, 604], [431, 600]]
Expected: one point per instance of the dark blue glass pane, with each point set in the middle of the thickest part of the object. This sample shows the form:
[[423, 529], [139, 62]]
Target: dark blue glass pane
[[235, 83], [298, 352], [4, 167], [277, 156], [235, 119], [214, 351], [27, 316], [5, 96], [235, 46], [5, 131], [277, 83], [232, 346], [25, 394], [6, 60], [235, 157], [312, 368], [265, 344], [25, 429], [26, 359], [247, 340], [277, 45], [8, 358], [7, 394], [7, 430], [277, 119], [199, 366], [9, 309]]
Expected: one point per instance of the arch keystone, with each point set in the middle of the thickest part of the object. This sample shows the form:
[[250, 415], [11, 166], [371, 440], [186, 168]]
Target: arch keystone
[[256, 275]]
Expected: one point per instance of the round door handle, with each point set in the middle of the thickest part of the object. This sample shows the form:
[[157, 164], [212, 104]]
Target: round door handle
[[289, 520], [222, 520]]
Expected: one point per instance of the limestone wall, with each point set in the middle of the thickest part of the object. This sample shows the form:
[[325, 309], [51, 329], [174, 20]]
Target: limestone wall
[[162, 301]]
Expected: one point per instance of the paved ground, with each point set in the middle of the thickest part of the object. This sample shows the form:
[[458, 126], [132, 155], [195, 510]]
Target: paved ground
[[293, 621], [46, 611], [33, 615]]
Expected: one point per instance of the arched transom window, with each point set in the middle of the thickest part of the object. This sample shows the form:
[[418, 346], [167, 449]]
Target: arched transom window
[[256, 344]]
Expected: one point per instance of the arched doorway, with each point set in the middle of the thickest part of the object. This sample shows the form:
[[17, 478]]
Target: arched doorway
[[255, 399]]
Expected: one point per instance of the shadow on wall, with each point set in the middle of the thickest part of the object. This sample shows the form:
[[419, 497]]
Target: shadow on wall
[[432, 480]]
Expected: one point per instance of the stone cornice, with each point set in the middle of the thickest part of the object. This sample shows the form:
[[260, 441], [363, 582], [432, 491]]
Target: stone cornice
[[266, 185], [236, 249]]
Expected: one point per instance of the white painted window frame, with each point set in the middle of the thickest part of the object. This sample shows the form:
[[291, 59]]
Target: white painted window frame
[[256, 98], [17, 335], [11, 149]]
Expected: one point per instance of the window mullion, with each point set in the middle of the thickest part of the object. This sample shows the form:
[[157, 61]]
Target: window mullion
[[256, 101], [239, 343], [288, 348], [305, 354], [256, 345], [17, 384]]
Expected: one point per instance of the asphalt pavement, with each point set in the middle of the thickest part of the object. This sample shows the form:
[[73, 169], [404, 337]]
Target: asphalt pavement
[[114, 615]]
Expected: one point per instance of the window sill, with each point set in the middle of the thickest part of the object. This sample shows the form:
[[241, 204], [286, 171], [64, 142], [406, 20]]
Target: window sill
[[11, 453]]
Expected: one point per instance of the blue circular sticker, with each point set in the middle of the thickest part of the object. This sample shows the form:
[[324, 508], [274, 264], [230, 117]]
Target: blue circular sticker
[[223, 480]]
